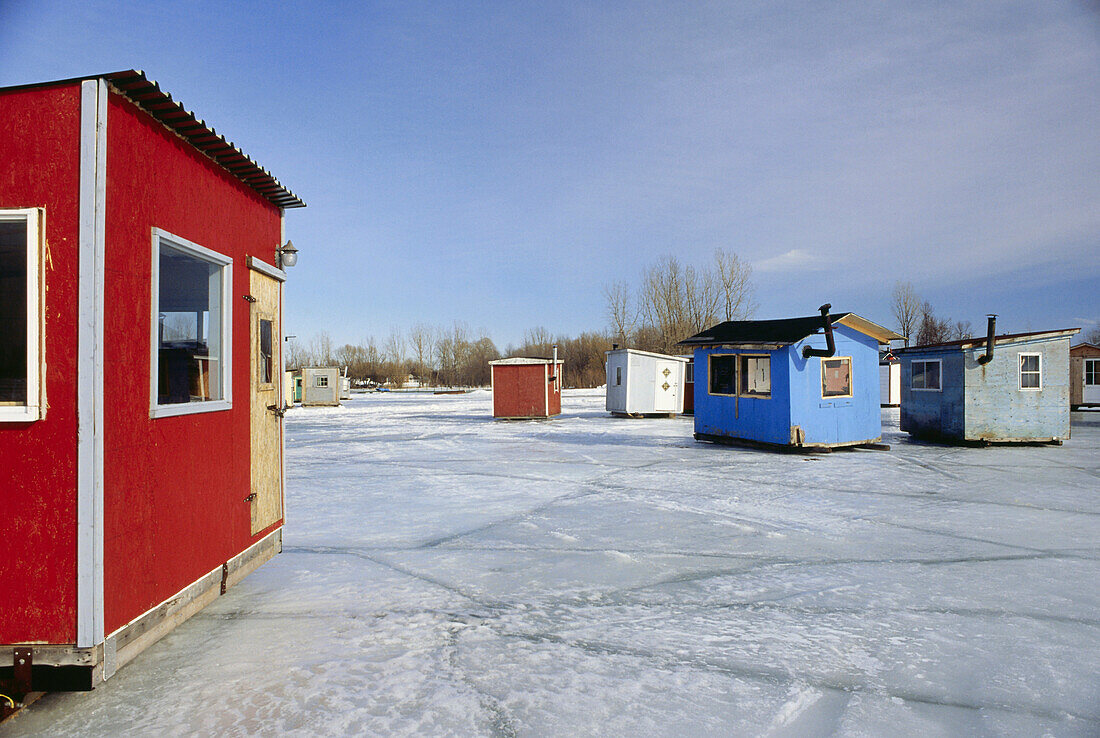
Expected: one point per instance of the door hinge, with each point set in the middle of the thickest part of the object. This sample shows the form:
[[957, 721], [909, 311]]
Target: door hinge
[[250, 498], [249, 298]]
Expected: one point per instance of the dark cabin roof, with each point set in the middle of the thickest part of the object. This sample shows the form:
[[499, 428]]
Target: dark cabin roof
[[784, 330], [146, 94]]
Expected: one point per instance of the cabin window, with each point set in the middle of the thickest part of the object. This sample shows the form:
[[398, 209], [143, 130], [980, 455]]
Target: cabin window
[[20, 315], [618, 376], [689, 372], [320, 381], [756, 376], [1031, 371], [1092, 372], [266, 356], [926, 375], [723, 374], [192, 315], [836, 377]]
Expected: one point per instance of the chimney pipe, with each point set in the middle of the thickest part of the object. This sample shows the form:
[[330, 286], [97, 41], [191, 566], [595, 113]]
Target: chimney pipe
[[990, 339], [614, 347], [807, 351]]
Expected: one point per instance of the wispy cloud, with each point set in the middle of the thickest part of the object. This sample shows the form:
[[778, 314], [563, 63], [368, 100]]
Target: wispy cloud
[[795, 260]]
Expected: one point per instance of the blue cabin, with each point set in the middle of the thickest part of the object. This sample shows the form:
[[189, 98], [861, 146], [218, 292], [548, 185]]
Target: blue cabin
[[1009, 388], [802, 383]]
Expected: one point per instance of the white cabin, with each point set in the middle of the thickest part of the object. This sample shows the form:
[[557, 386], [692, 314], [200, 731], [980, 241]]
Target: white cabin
[[644, 383], [320, 385]]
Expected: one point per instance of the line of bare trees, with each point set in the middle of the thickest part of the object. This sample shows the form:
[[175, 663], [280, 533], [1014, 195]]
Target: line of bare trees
[[677, 300], [918, 322]]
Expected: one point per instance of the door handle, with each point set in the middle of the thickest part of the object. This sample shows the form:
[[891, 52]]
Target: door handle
[[278, 411]]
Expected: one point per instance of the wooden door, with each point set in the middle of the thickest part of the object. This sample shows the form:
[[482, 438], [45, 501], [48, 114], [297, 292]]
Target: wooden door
[[267, 422]]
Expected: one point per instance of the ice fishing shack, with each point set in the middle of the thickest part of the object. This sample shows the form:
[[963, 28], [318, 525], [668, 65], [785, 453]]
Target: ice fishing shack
[[526, 387], [800, 383], [1084, 376], [320, 386], [141, 259], [642, 383], [1008, 388]]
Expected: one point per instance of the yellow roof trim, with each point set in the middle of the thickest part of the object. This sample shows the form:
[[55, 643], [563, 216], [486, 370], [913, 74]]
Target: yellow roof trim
[[874, 330]]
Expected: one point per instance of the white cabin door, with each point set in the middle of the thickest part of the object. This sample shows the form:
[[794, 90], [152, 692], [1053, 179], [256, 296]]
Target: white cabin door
[[667, 391], [267, 422]]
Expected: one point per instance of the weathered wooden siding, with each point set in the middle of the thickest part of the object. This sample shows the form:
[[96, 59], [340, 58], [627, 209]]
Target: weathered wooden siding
[[998, 410]]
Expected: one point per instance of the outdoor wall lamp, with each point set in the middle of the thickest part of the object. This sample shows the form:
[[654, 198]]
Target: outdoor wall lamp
[[286, 255]]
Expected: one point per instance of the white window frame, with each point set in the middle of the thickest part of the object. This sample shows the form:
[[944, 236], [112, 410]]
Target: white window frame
[[320, 381], [851, 377], [1095, 373], [157, 410], [912, 374], [1020, 371], [35, 406]]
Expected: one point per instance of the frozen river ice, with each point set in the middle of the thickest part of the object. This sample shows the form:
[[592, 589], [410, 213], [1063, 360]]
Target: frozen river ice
[[446, 574]]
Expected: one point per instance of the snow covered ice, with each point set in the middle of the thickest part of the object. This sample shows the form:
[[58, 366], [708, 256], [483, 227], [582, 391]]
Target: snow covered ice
[[447, 574]]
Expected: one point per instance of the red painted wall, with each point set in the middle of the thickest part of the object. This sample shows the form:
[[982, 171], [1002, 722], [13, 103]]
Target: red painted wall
[[520, 391], [174, 488], [40, 155]]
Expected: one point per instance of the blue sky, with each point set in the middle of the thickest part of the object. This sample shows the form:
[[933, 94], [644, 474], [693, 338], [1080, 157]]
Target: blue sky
[[499, 163]]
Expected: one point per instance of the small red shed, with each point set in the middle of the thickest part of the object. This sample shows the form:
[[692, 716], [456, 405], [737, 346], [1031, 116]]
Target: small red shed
[[141, 470], [526, 388]]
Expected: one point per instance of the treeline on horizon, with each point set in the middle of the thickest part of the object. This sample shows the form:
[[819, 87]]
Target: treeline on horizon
[[672, 301]]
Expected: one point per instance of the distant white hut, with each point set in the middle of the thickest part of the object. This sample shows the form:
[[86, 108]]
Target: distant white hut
[[889, 380], [644, 383], [345, 385], [320, 386]]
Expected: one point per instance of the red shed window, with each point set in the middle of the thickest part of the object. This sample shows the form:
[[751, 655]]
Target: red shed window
[[20, 315], [191, 347]]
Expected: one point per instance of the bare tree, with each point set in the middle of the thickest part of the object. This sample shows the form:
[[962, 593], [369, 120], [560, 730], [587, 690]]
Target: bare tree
[[906, 307], [622, 314], [421, 337], [932, 329], [962, 329], [321, 349], [735, 286], [1093, 336]]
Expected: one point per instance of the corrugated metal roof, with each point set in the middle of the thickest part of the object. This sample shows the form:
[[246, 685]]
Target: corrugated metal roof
[[147, 94], [979, 342]]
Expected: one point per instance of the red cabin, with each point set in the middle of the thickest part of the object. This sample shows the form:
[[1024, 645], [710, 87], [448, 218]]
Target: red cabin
[[526, 388], [140, 358]]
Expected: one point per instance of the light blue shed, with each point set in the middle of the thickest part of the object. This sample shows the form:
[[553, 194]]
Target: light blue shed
[[802, 383], [1020, 393]]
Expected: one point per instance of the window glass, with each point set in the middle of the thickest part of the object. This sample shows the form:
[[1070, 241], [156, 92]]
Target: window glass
[[723, 374], [689, 372], [618, 376], [189, 326], [320, 381], [926, 375], [13, 312], [266, 358], [836, 377], [1092, 372], [1030, 371], [756, 375]]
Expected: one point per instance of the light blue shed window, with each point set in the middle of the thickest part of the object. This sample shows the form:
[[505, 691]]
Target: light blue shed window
[[1031, 371]]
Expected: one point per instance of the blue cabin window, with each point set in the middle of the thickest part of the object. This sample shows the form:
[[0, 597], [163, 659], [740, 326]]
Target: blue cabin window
[[756, 376], [926, 375], [723, 374], [836, 377], [1031, 371]]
